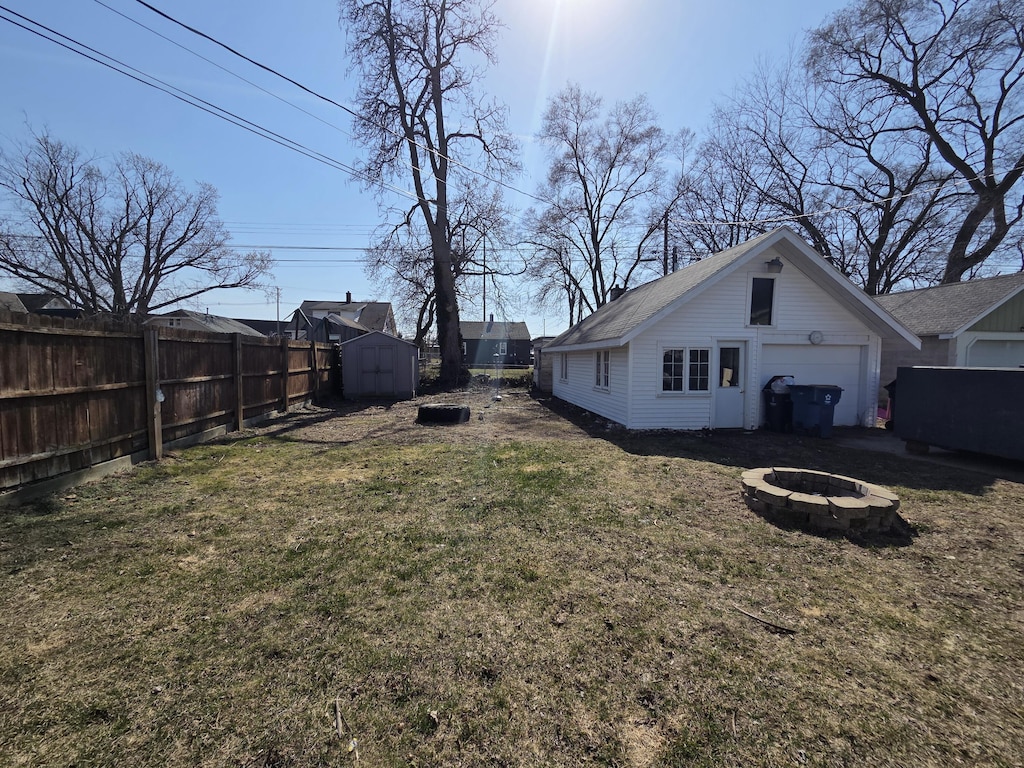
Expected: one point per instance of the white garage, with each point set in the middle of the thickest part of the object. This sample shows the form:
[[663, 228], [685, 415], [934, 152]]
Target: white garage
[[824, 364], [976, 323], [694, 349], [996, 353]]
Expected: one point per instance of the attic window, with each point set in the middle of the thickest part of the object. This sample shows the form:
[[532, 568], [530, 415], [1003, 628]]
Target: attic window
[[762, 300]]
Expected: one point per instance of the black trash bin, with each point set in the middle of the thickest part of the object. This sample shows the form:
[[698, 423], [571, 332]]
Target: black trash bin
[[778, 407], [814, 407]]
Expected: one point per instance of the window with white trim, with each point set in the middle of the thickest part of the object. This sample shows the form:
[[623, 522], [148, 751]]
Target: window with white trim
[[563, 373], [686, 370], [602, 362], [502, 347]]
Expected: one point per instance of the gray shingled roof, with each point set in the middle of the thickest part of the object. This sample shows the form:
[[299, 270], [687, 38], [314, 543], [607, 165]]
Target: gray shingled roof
[[494, 330], [214, 323], [373, 315], [615, 319], [948, 308], [342, 321], [11, 302]]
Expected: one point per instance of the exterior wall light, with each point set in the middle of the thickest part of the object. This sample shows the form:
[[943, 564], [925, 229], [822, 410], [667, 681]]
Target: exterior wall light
[[774, 266]]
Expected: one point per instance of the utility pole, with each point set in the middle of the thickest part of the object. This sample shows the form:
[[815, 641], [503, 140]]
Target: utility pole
[[665, 249], [485, 277]]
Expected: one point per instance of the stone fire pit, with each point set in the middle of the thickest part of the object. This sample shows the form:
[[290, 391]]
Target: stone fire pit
[[818, 501]]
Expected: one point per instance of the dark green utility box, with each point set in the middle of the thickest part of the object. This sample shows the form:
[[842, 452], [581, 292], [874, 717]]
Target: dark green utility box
[[962, 409]]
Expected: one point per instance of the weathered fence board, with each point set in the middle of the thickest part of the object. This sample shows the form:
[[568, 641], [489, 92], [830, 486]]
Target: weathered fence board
[[75, 394]]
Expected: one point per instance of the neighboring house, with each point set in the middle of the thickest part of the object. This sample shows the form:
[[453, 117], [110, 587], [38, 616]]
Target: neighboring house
[[695, 348], [339, 321], [378, 365], [12, 303], [201, 321], [976, 324], [269, 328], [494, 343], [48, 304]]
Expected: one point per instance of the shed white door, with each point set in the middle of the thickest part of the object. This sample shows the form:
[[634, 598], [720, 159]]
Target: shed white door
[[728, 385], [822, 364], [996, 353], [377, 371]]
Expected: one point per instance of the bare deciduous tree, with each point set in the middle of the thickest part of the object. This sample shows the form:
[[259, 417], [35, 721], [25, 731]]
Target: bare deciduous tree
[[605, 182], [125, 240], [402, 264], [954, 68], [423, 123]]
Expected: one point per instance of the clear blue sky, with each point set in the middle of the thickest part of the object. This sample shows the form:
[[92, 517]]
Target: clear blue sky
[[683, 54]]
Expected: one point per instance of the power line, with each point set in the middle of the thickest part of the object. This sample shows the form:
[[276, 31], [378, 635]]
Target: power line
[[192, 100], [223, 68], [339, 105]]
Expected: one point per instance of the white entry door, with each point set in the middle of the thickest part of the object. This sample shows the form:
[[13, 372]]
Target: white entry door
[[729, 389]]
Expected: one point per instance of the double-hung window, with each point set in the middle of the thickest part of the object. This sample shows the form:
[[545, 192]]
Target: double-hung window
[[602, 362], [686, 370]]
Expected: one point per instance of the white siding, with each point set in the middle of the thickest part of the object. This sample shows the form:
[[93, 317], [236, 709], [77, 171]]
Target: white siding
[[720, 315], [580, 388]]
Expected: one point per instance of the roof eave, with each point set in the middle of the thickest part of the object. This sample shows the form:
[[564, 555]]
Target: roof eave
[[1012, 294], [589, 346]]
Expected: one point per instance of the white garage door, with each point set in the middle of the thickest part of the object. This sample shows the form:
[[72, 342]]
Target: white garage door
[[993, 353], [824, 364]]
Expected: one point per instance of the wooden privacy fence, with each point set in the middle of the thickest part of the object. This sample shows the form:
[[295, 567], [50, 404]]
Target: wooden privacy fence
[[76, 394]]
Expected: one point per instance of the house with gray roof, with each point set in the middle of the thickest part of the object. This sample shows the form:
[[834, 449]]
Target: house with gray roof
[[694, 349], [188, 320], [340, 321], [974, 324], [495, 343]]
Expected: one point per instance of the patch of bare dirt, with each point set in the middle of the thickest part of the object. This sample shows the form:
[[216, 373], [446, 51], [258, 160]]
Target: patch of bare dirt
[[494, 415]]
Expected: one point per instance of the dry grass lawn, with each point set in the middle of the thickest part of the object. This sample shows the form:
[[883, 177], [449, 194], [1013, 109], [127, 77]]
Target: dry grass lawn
[[532, 588]]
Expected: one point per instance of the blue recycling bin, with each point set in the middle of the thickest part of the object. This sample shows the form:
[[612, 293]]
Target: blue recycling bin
[[814, 407]]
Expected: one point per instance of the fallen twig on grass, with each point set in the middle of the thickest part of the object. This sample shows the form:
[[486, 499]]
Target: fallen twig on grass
[[339, 721], [771, 624]]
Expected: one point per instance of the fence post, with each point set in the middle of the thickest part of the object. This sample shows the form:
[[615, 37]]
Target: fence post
[[284, 375], [239, 388], [154, 425], [316, 372]]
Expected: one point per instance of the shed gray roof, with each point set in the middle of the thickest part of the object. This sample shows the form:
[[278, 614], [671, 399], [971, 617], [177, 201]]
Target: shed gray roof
[[494, 330], [946, 309], [616, 322]]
